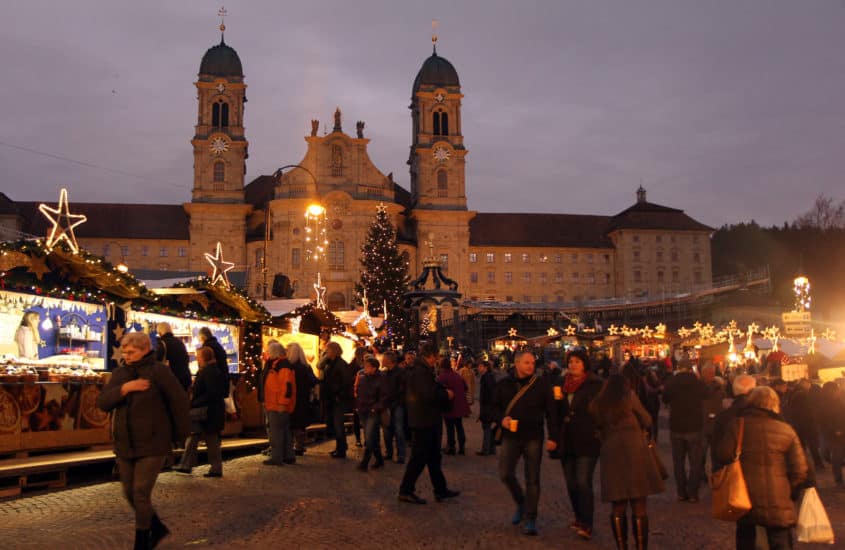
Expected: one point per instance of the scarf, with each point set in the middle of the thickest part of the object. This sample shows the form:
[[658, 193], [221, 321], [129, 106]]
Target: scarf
[[571, 384]]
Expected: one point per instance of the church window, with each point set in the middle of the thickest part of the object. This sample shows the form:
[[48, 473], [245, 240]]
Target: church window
[[259, 257], [473, 257], [575, 276], [442, 184], [162, 252], [589, 258], [558, 258], [124, 250], [491, 276], [337, 160], [558, 276], [336, 256], [591, 277], [336, 301], [636, 255], [224, 115], [607, 278], [674, 255], [697, 277], [525, 258], [676, 276], [436, 123], [220, 114], [182, 252], [219, 172], [440, 124], [696, 257], [526, 276], [295, 257], [106, 250], [215, 115], [574, 257], [473, 277], [543, 277], [508, 257], [491, 257], [508, 277], [659, 276], [638, 276], [145, 251]]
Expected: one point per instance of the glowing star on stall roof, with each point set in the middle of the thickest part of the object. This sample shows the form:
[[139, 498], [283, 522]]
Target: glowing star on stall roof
[[570, 330], [829, 334], [512, 332], [552, 332], [220, 266], [683, 332], [63, 223], [613, 330]]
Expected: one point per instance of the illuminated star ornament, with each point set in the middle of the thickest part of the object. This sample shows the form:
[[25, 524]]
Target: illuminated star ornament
[[220, 266], [63, 223], [321, 293], [570, 330], [552, 332], [512, 332]]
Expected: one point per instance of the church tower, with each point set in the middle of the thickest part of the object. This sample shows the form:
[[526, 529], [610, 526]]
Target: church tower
[[217, 209], [438, 166]]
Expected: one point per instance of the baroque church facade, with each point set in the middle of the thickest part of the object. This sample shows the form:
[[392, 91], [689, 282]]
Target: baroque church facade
[[555, 259]]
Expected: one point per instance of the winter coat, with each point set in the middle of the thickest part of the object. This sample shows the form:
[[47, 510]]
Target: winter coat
[[685, 393], [486, 395], [772, 462], [305, 381], [210, 388], [338, 381], [800, 413], [262, 379], [455, 382], [578, 433], [394, 387], [171, 351], [627, 467], [425, 398], [720, 426], [535, 406], [280, 388], [146, 423], [219, 354], [832, 418], [715, 393], [370, 395]]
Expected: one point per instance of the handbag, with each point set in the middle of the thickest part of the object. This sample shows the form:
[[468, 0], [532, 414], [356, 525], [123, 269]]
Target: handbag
[[229, 402], [653, 452], [813, 523], [499, 434], [730, 494]]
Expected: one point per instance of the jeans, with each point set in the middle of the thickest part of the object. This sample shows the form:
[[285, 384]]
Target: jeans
[[138, 476], [780, 538], [281, 439], [532, 453], [215, 452], [425, 451], [371, 421], [687, 448], [338, 419], [488, 445], [396, 429], [455, 425], [578, 472]]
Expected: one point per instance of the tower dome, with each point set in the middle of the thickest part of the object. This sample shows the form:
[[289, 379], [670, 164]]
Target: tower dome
[[437, 72], [221, 60]]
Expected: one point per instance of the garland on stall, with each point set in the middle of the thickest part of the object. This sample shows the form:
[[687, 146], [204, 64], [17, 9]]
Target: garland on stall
[[251, 354]]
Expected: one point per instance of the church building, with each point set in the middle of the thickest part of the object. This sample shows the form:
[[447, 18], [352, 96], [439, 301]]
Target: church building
[[555, 259]]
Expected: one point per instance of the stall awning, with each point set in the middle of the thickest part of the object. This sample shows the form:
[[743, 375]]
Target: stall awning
[[277, 308]]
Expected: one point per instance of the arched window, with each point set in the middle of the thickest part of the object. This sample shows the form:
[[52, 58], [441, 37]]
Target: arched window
[[219, 172], [436, 122], [336, 256], [337, 301], [224, 115], [444, 124], [215, 115], [442, 184], [337, 160]]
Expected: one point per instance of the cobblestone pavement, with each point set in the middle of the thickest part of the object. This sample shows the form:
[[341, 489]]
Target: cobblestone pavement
[[325, 503]]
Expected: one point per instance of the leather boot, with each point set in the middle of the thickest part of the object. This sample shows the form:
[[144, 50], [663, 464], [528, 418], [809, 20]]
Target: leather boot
[[619, 527], [143, 539], [641, 532], [364, 461], [158, 530]]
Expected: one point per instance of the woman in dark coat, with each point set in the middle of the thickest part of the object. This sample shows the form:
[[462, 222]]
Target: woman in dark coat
[[578, 445], [628, 471], [454, 417], [305, 380], [773, 464], [209, 390]]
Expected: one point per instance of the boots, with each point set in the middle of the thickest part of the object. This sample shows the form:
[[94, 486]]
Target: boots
[[143, 539], [619, 527], [641, 532], [365, 461], [158, 531], [379, 460]]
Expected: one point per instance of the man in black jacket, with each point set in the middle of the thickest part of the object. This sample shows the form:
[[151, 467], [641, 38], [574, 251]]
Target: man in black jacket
[[742, 386], [486, 411], [394, 384], [685, 395], [209, 341], [521, 421], [425, 400], [337, 386], [171, 351]]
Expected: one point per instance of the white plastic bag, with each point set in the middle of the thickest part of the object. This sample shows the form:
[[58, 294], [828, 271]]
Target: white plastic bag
[[813, 523], [229, 402]]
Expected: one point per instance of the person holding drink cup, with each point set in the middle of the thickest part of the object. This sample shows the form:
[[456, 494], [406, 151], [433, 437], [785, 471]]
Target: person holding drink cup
[[522, 402]]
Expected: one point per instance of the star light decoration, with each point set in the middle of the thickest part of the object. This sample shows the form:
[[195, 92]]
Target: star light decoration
[[829, 334], [512, 332], [320, 290], [570, 330], [63, 223], [613, 330], [365, 315], [811, 342], [552, 332], [220, 266]]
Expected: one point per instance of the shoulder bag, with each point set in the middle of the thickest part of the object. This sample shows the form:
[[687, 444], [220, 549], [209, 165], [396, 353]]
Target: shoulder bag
[[651, 444], [499, 434], [730, 494]]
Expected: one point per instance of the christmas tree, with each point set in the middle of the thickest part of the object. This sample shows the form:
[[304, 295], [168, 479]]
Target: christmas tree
[[384, 275]]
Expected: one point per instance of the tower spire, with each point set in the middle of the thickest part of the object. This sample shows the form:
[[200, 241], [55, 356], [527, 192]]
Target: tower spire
[[222, 13], [434, 24]]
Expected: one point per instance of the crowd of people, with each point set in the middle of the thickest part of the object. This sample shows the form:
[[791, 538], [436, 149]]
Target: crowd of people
[[411, 411]]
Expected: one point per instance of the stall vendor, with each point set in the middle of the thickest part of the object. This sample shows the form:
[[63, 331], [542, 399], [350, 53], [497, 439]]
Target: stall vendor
[[27, 337]]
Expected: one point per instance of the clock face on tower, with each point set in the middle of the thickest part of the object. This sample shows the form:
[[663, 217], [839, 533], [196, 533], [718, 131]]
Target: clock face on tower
[[221, 87], [219, 145], [441, 154], [439, 98]]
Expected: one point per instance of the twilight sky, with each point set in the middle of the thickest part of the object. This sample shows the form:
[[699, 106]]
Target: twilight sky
[[729, 110]]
